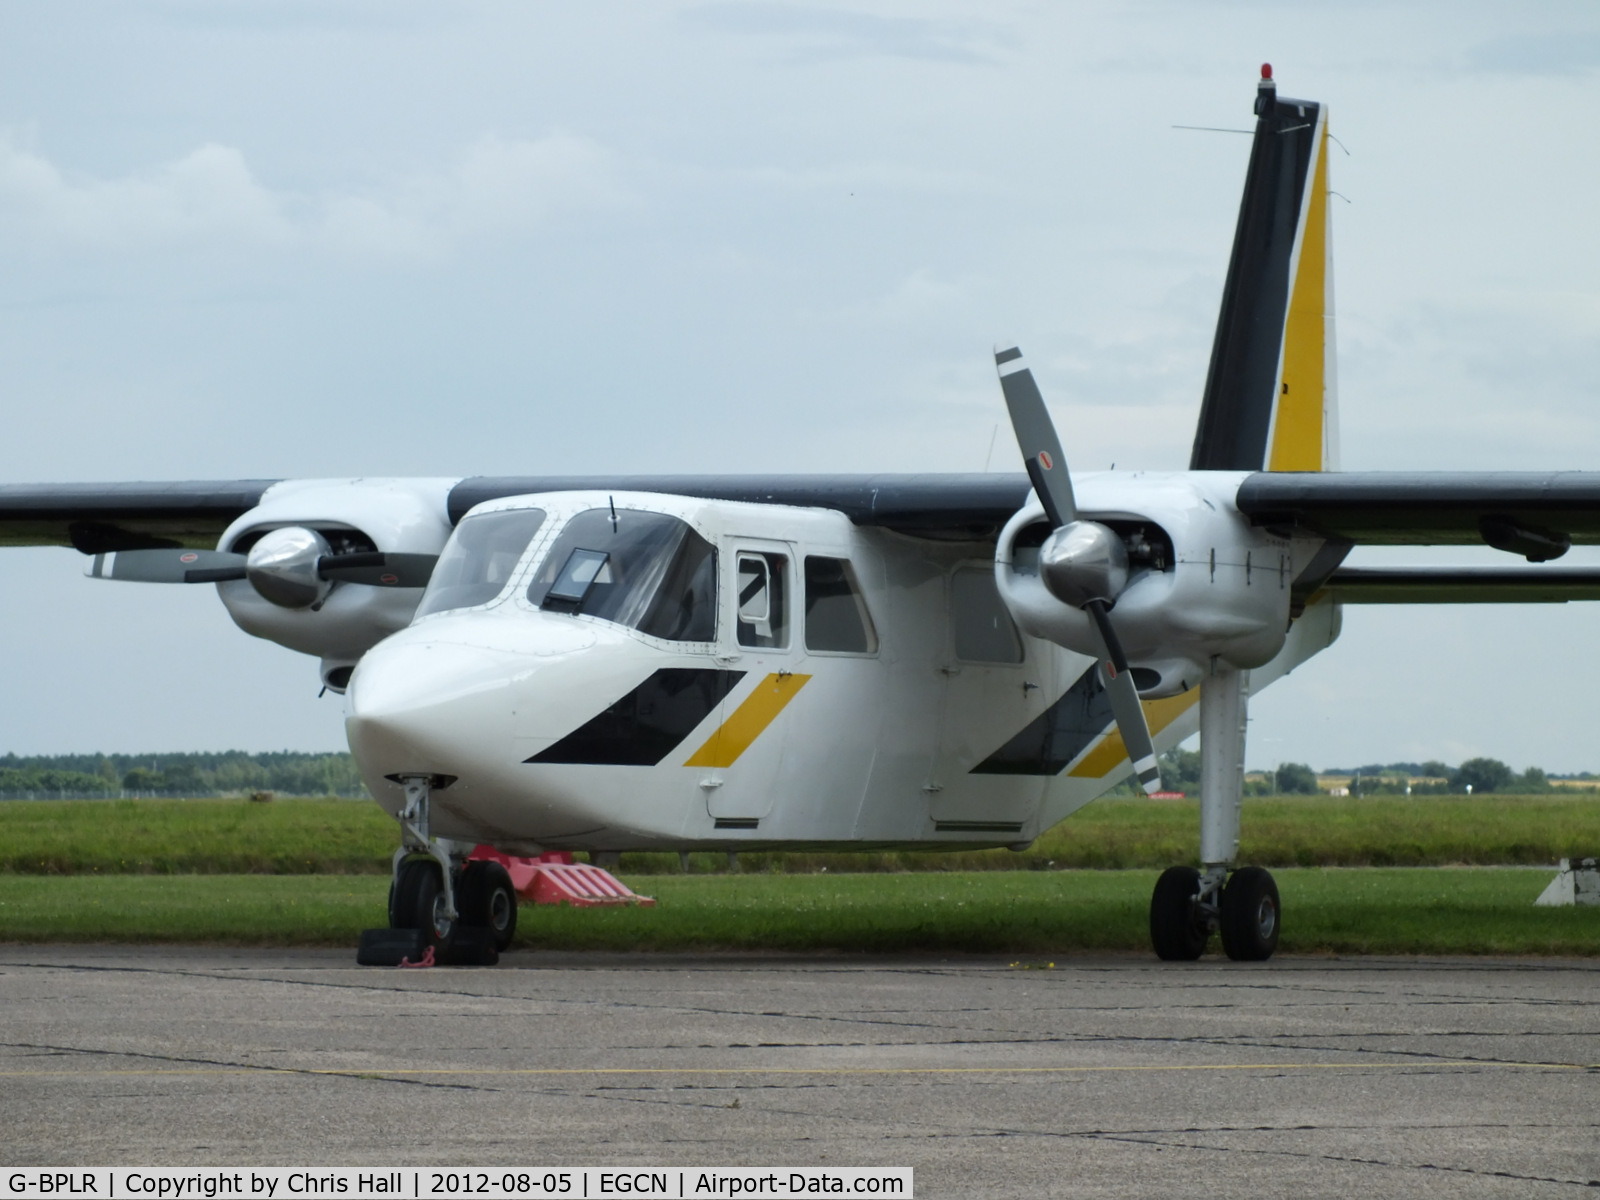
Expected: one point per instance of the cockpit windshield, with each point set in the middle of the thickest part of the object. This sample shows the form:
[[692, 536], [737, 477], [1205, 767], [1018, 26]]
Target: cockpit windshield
[[479, 559], [645, 570]]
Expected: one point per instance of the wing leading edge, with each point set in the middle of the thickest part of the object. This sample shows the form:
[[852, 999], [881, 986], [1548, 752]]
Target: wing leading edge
[[1516, 511], [101, 518]]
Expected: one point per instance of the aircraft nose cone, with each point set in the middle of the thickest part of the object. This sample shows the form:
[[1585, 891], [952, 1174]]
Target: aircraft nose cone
[[429, 707]]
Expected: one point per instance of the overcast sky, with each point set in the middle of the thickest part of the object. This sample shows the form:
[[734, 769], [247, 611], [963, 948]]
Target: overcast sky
[[267, 238]]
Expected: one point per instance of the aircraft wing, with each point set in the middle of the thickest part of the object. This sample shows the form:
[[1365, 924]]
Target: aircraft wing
[[102, 517], [963, 506], [1541, 510], [99, 518], [1516, 511], [1463, 585], [1538, 515]]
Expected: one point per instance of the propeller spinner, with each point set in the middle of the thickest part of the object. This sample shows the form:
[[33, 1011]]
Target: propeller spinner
[[1082, 563]]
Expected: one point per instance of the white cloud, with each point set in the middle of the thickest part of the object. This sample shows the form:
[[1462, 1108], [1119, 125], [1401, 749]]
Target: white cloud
[[210, 199], [206, 195]]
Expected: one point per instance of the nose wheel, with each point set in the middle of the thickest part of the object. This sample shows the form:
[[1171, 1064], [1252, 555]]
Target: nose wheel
[[417, 901], [488, 901], [463, 912]]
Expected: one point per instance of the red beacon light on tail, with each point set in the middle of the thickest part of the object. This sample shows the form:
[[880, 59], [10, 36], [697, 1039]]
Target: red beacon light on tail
[[1266, 92]]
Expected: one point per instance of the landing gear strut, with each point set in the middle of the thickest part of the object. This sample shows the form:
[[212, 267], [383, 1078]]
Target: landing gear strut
[[422, 895], [1241, 903]]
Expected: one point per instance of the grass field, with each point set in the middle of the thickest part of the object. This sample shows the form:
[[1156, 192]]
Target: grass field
[[322, 837], [1035, 913], [309, 872]]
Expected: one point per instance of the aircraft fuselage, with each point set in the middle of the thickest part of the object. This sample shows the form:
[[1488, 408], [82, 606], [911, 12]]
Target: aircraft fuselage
[[801, 682]]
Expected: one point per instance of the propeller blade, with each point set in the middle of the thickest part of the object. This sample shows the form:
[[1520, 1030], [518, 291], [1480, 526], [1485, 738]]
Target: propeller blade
[[167, 566], [1036, 437], [378, 569], [1125, 703], [1047, 468]]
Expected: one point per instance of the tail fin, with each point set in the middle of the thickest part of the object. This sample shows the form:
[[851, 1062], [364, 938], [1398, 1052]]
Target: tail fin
[[1270, 400]]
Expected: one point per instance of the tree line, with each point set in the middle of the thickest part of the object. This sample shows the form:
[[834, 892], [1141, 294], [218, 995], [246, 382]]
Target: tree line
[[233, 772], [1180, 771]]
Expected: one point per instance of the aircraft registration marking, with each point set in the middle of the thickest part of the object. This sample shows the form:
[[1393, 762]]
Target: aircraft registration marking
[[760, 708]]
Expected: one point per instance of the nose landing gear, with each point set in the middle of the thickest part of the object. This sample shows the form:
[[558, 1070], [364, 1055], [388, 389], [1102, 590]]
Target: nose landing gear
[[464, 913]]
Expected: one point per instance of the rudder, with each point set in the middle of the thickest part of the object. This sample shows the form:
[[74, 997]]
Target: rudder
[[1270, 400]]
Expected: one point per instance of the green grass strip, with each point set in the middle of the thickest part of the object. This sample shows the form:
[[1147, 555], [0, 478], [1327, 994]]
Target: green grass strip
[[1038, 913], [321, 837], [222, 837]]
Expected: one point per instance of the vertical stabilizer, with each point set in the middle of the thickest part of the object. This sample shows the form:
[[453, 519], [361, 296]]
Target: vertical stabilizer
[[1270, 400]]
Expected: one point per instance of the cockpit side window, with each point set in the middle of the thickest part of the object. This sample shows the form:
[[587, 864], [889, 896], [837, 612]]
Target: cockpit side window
[[837, 620], [479, 558], [648, 571], [763, 600]]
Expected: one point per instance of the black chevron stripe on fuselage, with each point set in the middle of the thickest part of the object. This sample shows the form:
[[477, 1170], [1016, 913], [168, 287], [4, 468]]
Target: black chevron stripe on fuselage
[[644, 726], [1058, 735]]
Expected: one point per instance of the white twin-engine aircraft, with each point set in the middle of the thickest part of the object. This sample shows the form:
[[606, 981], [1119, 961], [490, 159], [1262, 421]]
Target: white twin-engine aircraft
[[726, 662]]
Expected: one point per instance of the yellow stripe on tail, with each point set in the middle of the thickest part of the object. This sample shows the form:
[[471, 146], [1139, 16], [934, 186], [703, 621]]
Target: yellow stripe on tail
[[1305, 418]]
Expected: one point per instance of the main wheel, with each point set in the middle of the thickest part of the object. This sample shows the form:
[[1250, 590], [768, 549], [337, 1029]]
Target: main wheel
[[488, 900], [1177, 930], [1250, 915], [416, 901]]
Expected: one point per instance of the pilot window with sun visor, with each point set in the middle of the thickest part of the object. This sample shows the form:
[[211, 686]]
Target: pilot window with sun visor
[[763, 600], [837, 620], [648, 571], [479, 559]]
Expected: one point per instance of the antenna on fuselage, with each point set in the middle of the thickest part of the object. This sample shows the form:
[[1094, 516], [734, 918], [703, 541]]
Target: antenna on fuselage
[[612, 501]]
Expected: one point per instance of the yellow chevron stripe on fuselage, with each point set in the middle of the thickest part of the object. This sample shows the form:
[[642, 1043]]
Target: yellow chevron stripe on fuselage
[[760, 708], [1111, 752]]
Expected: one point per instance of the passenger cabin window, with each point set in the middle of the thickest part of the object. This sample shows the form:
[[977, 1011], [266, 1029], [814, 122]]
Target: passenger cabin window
[[837, 620], [479, 558], [979, 620], [763, 608], [648, 571]]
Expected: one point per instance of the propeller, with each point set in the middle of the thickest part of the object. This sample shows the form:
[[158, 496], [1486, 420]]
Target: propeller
[[377, 568], [167, 566], [291, 567], [1082, 563]]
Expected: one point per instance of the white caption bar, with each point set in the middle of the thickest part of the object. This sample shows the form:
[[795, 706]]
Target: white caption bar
[[500, 1183]]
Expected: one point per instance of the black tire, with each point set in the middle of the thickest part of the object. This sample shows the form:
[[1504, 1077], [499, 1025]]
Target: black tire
[[1251, 915], [488, 900], [1177, 930], [416, 901]]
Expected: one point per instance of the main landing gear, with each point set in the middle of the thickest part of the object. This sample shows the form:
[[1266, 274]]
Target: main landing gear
[[1187, 906], [1240, 903], [443, 907]]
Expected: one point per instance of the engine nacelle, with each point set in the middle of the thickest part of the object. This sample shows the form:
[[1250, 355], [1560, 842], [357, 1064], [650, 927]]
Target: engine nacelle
[[1202, 585], [337, 623]]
